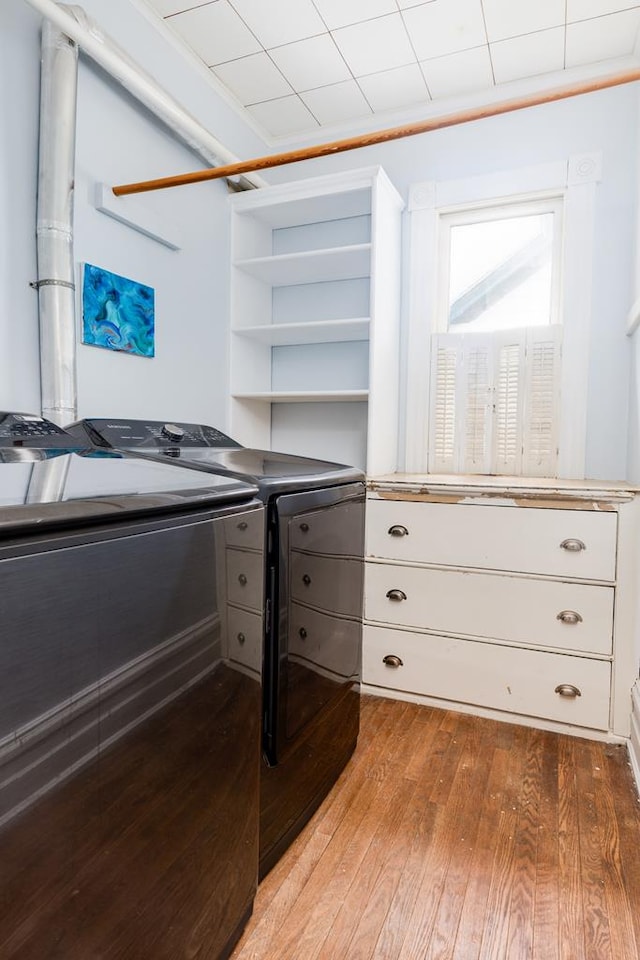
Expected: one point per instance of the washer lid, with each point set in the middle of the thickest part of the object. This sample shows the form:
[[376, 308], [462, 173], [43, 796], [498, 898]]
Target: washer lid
[[48, 487], [204, 447]]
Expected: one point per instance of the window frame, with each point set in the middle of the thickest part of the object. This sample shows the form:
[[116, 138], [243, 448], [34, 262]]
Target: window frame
[[574, 181]]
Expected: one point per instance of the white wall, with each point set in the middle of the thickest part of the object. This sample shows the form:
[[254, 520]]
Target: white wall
[[119, 141], [606, 121]]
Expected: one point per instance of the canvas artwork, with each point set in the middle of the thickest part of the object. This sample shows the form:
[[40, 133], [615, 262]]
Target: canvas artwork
[[117, 313]]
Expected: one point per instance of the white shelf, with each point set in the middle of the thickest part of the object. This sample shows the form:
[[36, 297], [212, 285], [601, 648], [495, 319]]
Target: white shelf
[[312, 396], [310, 266], [319, 331], [304, 301]]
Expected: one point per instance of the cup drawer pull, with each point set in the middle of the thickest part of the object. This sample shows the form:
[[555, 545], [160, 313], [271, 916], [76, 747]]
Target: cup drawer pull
[[569, 616], [568, 690], [392, 661], [573, 546], [396, 595], [397, 530]]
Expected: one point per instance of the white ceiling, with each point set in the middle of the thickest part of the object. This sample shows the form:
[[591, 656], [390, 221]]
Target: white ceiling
[[297, 66]]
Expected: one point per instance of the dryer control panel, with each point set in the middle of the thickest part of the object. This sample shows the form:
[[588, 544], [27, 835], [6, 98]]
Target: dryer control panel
[[123, 434]]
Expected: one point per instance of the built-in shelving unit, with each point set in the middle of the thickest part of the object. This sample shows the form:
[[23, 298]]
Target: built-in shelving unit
[[314, 318]]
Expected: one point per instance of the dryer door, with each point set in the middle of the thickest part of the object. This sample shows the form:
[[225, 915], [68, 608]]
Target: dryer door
[[314, 649]]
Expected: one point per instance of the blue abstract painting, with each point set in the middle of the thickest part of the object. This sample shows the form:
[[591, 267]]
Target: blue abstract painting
[[117, 313]]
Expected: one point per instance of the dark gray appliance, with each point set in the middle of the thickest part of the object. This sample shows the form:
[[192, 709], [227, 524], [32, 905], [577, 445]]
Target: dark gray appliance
[[313, 607], [130, 714]]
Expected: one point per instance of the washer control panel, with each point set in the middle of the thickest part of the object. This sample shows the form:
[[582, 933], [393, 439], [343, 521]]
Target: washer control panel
[[30, 430], [133, 434]]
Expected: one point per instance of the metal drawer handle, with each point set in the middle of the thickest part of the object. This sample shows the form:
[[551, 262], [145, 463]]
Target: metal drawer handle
[[304, 527], [241, 638], [396, 595], [302, 633], [573, 546], [243, 525], [568, 690], [306, 579], [242, 580], [397, 530], [392, 661], [569, 616]]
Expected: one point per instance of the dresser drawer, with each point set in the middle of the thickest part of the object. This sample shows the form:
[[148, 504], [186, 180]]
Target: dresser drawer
[[543, 613], [332, 583], [522, 539], [245, 578], [500, 678]]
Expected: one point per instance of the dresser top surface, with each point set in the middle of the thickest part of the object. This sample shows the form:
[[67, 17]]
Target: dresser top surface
[[476, 485]]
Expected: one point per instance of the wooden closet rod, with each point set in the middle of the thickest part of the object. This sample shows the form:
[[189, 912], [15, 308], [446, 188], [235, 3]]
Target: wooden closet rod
[[382, 136]]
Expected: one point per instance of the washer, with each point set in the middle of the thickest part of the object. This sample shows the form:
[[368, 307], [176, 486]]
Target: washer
[[313, 607], [130, 719]]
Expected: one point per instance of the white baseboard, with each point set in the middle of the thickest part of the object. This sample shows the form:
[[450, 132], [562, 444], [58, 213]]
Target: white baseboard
[[634, 742]]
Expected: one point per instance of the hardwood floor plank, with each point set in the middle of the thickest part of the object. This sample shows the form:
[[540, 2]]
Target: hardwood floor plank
[[617, 893], [363, 910], [615, 771], [452, 837], [546, 915], [474, 906], [520, 935], [598, 945], [455, 791]]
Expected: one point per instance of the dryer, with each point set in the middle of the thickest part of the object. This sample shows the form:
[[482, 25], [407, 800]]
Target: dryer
[[130, 718], [313, 606]]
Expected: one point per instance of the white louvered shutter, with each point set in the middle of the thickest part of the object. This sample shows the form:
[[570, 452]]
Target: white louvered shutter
[[541, 402], [446, 355], [476, 403], [509, 396], [495, 402]]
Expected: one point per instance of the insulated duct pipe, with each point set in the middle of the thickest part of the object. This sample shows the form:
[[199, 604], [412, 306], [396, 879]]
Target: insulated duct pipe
[[63, 30], [76, 24], [54, 228]]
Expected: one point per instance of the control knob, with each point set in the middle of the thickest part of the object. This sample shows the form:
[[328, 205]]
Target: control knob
[[171, 432]]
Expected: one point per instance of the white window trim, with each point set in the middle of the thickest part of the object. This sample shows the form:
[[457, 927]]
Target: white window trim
[[575, 181]]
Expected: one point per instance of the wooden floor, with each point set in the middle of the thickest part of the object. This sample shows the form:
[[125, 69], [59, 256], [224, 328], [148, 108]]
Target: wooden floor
[[450, 836]]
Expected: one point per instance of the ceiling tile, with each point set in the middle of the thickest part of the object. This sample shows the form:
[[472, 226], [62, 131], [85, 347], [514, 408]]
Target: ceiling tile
[[166, 7], [375, 45], [404, 4], [215, 32], [445, 26], [315, 62], [394, 88], [280, 22], [253, 79], [340, 13], [528, 56], [340, 101], [603, 38], [510, 18], [459, 72], [584, 9], [284, 116]]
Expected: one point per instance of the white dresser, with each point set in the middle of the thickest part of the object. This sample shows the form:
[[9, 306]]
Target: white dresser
[[507, 597]]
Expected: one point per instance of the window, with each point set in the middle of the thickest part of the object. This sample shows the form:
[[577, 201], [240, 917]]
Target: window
[[499, 318], [495, 371]]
